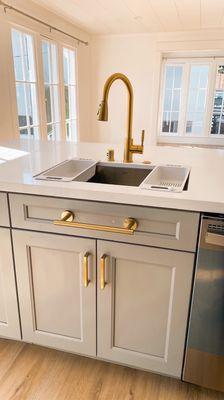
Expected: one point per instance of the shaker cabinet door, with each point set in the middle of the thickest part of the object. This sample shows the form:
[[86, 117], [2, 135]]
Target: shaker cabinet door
[[9, 314], [57, 290], [143, 301]]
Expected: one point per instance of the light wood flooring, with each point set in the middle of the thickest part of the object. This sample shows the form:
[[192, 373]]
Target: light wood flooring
[[29, 372]]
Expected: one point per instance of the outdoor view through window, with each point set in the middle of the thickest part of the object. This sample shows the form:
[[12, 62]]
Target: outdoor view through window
[[48, 94]]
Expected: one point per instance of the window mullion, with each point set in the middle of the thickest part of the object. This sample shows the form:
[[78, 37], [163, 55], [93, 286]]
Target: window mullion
[[184, 99], [61, 93], [210, 98], [40, 87], [24, 86], [161, 97]]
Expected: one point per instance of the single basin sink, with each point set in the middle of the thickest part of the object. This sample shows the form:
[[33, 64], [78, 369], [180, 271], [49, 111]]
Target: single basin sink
[[120, 174]]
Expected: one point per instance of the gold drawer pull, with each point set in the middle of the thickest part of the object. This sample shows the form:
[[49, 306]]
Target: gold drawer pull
[[102, 271], [67, 219], [86, 280]]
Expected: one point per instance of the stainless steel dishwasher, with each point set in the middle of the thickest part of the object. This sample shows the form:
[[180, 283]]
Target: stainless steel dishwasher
[[204, 361]]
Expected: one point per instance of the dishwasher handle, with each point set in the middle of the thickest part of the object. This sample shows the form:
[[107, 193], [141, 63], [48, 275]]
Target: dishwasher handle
[[214, 239]]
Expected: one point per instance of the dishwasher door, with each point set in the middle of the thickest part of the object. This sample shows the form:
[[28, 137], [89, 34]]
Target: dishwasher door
[[204, 361]]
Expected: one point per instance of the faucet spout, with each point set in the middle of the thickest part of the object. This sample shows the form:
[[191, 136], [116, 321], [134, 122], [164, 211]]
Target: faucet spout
[[129, 147]]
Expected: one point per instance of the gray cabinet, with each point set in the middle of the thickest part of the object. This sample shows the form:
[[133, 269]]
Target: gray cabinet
[[144, 279], [57, 290], [9, 314], [143, 300]]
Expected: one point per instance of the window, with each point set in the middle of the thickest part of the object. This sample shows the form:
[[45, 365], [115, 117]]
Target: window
[[26, 84], [186, 108], [172, 95], [52, 114], [70, 93], [51, 89], [217, 127]]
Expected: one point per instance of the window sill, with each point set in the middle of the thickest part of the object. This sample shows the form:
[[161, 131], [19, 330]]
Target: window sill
[[191, 141]]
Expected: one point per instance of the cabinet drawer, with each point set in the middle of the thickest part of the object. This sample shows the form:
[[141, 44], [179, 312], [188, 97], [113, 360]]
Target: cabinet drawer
[[156, 227], [4, 212]]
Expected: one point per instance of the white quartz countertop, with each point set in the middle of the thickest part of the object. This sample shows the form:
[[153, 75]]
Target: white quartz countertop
[[205, 190]]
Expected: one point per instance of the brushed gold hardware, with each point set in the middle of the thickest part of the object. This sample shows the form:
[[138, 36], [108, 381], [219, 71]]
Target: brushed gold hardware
[[129, 224], [86, 270], [110, 155], [102, 271], [129, 147], [67, 216]]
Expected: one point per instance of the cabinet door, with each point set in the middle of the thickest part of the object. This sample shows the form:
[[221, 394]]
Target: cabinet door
[[143, 308], [57, 309], [9, 315]]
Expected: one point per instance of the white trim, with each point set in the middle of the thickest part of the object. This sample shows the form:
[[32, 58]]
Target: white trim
[[205, 140]]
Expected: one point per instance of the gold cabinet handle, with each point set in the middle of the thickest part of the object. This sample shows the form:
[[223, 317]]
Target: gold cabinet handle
[[67, 219], [102, 271], [86, 280]]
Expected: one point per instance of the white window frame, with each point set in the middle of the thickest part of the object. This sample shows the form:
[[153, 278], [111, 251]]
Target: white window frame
[[184, 137], [76, 89], [37, 82], [37, 43]]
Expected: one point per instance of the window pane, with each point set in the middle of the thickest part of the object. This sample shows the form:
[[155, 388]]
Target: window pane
[[28, 58], [166, 122], [72, 101], [217, 124], [48, 103], [50, 65], [35, 132], [174, 122], [24, 133], [69, 74], [197, 99], [176, 100], [26, 93], [65, 65], [46, 61], [21, 104], [74, 130], [172, 98], [54, 57], [17, 55], [68, 131], [32, 104], [67, 114], [50, 132], [53, 131], [55, 96]]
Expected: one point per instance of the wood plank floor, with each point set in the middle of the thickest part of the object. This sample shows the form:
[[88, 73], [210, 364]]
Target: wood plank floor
[[29, 372]]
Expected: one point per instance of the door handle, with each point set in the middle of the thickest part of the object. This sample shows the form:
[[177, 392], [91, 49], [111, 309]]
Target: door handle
[[102, 271], [86, 280]]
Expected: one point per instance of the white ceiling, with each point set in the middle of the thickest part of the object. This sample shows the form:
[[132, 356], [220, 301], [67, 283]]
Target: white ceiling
[[136, 16]]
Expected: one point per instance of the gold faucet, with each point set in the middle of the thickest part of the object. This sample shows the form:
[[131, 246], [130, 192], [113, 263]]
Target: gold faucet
[[129, 147]]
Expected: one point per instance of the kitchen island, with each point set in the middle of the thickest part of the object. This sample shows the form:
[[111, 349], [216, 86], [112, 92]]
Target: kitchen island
[[205, 190], [84, 284]]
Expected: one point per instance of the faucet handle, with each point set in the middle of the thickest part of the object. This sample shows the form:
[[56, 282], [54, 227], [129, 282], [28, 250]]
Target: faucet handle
[[137, 148], [143, 137]]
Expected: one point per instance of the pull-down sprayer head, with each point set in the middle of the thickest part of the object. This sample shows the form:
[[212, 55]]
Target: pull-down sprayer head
[[103, 111]]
